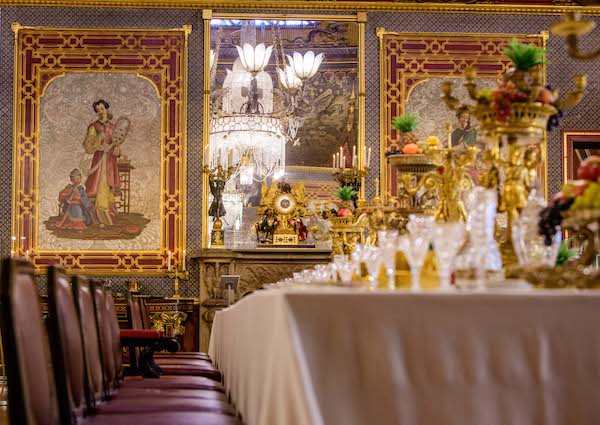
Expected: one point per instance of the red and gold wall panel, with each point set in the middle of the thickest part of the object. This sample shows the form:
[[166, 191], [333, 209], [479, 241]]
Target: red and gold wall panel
[[136, 242], [409, 60]]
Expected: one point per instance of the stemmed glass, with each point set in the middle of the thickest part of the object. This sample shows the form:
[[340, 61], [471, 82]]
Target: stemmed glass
[[388, 241], [373, 259], [346, 270], [415, 245], [447, 240]]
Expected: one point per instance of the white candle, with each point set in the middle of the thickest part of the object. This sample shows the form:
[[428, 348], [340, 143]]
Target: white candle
[[27, 255], [369, 158], [333, 163], [354, 160], [343, 161], [353, 154], [169, 262], [341, 156], [377, 187], [12, 253], [183, 260]]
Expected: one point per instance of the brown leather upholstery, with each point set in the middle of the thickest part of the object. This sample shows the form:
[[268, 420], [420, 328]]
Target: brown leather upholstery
[[174, 382], [170, 418], [85, 306], [67, 348], [31, 399], [104, 337]]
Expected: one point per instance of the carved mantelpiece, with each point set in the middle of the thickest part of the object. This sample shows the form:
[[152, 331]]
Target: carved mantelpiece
[[255, 268]]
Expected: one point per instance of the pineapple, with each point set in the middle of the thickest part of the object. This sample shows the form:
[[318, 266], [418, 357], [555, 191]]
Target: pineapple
[[346, 193], [406, 125], [525, 56]]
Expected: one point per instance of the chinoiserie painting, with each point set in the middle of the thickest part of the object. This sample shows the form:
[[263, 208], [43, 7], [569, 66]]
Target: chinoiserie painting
[[99, 145], [99, 148], [414, 67]]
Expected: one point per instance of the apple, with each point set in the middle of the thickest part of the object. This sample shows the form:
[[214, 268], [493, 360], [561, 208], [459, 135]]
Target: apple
[[589, 169], [343, 212], [574, 188]]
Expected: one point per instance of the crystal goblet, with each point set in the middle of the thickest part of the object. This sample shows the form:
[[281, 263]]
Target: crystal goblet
[[447, 240], [373, 260], [415, 245]]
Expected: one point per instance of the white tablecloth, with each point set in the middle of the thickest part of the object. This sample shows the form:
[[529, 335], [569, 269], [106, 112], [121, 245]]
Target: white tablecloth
[[346, 357]]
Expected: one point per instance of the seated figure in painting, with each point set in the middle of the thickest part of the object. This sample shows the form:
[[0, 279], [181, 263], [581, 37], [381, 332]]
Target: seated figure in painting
[[75, 204]]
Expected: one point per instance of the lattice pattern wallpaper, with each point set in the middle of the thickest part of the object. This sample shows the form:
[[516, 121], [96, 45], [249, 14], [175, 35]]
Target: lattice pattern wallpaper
[[561, 69]]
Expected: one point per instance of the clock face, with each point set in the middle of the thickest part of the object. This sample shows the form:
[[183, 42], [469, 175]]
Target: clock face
[[285, 203]]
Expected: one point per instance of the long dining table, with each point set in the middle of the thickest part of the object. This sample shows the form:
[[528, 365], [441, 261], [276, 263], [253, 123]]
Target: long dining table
[[328, 356]]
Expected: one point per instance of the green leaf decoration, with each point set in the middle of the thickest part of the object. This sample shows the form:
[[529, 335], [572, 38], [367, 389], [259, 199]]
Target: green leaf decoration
[[525, 56], [564, 253], [346, 193], [405, 123]]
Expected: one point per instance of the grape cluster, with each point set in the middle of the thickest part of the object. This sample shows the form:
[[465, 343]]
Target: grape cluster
[[554, 120], [551, 217], [503, 98]]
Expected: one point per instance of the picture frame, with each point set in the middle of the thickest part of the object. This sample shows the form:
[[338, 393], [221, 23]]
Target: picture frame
[[110, 214], [418, 63]]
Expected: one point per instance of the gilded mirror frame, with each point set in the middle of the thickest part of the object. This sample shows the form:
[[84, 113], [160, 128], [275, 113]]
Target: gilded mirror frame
[[360, 18]]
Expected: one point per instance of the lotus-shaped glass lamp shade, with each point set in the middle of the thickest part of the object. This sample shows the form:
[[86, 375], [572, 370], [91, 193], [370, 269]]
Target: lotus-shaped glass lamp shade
[[305, 66], [288, 78], [254, 59]]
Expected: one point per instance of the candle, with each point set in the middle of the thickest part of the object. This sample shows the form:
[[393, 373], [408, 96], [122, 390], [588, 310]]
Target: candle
[[353, 155], [169, 262], [343, 161], [183, 261], [369, 158], [333, 163], [27, 255], [341, 156], [376, 187], [12, 253]]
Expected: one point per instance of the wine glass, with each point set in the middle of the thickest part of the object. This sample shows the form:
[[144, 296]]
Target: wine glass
[[447, 240], [388, 241], [373, 259], [415, 245]]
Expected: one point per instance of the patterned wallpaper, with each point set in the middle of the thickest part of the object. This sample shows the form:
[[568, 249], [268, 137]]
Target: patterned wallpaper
[[561, 69]]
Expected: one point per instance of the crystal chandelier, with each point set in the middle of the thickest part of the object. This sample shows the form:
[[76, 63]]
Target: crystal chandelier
[[255, 114]]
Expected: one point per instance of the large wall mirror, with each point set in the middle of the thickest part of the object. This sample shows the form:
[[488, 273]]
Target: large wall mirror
[[283, 95]]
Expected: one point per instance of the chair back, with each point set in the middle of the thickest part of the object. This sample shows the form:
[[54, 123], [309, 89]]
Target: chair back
[[145, 316], [105, 336], [111, 316], [135, 322], [68, 359], [32, 397], [85, 307]]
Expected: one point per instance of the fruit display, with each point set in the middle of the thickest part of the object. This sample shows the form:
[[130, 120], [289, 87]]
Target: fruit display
[[519, 84], [346, 194], [406, 125], [576, 196]]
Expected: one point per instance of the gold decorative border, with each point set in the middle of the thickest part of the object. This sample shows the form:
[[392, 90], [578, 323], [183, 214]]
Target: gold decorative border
[[440, 38], [312, 5], [360, 18], [165, 65]]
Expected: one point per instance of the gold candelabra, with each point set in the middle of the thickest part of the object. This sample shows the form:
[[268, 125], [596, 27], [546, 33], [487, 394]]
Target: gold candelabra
[[452, 181], [572, 27], [509, 151], [177, 275], [351, 176], [217, 178]]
